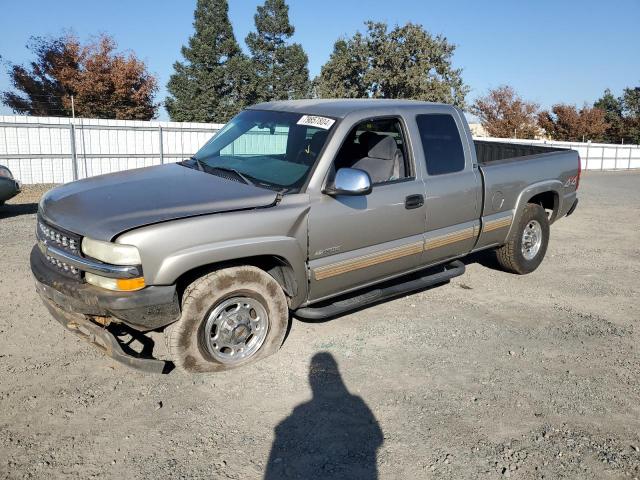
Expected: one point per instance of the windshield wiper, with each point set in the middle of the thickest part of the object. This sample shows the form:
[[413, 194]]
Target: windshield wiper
[[205, 167], [193, 162], [199, 163], [240, 175]]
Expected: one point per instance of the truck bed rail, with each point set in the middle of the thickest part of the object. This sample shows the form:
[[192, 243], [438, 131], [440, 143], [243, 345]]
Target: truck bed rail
[[487, 152]]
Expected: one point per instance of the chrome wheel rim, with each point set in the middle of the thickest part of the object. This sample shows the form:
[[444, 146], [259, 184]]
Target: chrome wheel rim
[[531, 239], [236, 329]]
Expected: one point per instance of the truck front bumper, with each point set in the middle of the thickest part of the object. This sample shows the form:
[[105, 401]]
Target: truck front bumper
[[75, 305], [103, 339], [147, 309]]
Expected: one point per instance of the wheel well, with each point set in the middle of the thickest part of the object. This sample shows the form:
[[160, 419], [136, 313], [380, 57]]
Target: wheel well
[[549, 201], [275, 266]]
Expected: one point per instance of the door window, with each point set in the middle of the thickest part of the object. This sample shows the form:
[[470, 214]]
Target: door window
[[378, 147]]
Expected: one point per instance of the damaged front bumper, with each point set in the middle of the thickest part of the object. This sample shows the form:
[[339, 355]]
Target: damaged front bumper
[[103, 339], [76, 304]]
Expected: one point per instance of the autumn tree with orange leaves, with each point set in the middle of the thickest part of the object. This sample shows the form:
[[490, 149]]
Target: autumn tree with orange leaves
[[568, 123], [503, 113], [104, 83]]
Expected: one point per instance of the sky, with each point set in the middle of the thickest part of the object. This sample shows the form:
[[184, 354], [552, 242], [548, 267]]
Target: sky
[[549, 51]]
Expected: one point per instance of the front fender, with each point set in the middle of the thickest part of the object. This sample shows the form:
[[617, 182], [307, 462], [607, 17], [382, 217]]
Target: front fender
[[171, 249], [285, 248]]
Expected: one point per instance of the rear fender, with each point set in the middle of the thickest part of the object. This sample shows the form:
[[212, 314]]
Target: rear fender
[[531, 191]]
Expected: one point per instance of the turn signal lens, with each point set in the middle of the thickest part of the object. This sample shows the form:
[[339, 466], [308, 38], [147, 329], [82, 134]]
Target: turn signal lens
[[128, 284], [116, 284]]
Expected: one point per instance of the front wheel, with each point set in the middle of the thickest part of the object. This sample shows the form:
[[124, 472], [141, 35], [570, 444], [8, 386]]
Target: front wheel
[[527, 243], [230, 318]]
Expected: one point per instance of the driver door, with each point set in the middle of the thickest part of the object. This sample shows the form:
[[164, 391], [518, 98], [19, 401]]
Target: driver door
[[359, 240]]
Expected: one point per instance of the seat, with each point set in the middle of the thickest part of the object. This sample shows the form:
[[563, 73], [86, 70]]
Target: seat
[[382, 160], [317, 141], [309, 153]]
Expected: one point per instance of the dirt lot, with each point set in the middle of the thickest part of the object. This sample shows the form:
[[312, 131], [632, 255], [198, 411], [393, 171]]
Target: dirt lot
[[490, 376]]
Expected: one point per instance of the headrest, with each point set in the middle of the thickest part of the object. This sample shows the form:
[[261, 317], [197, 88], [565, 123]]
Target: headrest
[[317, 140], [384, 148]]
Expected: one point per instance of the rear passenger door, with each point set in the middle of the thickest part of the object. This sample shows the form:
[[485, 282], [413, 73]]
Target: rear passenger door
[[453, 186]]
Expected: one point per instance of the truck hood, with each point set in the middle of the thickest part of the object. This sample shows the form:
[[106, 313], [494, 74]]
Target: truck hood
[[103, 207]]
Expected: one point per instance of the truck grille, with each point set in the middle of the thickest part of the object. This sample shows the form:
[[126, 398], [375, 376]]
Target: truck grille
[[69, 242]]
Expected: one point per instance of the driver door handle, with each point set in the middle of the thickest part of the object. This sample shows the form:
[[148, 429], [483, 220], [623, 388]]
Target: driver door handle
[[413, 201]]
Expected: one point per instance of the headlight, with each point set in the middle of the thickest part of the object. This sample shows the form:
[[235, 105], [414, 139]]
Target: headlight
[[118, 284], [113, 253]]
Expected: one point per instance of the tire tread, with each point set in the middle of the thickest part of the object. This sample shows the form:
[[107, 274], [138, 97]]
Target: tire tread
[[200, 288], [508, 255]]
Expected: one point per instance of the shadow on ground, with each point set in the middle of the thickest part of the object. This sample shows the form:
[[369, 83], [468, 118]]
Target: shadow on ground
[[333, 436], [15, 210]]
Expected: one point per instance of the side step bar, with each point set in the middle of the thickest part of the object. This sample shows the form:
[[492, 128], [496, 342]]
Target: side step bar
[[445, 273]]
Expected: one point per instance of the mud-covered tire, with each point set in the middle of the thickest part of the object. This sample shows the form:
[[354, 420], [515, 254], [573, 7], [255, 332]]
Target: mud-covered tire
[[511, 256], [186, 338]]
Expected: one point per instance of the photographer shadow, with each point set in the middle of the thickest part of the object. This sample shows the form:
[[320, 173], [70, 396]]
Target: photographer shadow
[[333, 436]]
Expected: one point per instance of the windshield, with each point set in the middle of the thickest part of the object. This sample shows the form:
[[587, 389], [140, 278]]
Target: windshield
[[271, 149]]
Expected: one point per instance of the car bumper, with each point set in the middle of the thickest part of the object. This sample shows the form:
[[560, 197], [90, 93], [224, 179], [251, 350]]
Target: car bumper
[[143, 310], [103, 339], [76, 305], [9, 188]]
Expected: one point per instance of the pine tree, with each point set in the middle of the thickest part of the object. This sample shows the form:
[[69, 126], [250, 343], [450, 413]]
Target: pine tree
[[211, 84], [281, 68]]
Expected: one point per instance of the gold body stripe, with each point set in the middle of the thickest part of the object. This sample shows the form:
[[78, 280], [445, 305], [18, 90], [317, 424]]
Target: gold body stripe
[[448, 238], [367, 260], [496, 224], [346, 266]]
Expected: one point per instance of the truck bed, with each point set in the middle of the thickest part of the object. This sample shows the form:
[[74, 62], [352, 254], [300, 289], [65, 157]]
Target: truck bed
[[509, 169], [488, 152]]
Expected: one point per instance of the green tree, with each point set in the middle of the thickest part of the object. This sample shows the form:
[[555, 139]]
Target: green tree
[[103, 82], [404, 62], [631, 111], [612, 106], [343, 74], [281, 68], [622, 115], [214, 81], [631, 101]]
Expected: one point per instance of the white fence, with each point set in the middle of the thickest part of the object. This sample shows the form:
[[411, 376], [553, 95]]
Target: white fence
[[58, 150], [594, 156]]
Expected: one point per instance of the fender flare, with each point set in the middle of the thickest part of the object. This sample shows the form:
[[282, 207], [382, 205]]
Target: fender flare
[[286, 249], [531, 191]]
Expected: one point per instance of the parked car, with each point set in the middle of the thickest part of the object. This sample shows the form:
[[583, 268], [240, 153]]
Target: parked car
[[307, 206], [9, 186]]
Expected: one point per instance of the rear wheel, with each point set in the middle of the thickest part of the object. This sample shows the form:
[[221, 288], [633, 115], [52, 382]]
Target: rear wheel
[[527, 243], [230, 318]]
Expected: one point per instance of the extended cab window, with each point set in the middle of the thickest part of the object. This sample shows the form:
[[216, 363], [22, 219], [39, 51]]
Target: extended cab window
[[378, 147], [441, 143]]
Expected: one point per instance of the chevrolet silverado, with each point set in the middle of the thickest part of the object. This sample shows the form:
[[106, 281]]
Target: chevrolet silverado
[[310, 208]]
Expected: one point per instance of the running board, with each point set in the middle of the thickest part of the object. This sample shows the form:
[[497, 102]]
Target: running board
[[446, 273]]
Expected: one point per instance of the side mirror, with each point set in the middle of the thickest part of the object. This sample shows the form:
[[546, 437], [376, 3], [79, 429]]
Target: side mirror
[[350, 181]]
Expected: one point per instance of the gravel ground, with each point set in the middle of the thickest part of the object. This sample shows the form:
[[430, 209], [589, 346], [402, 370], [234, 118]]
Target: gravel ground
[[490, 376]]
